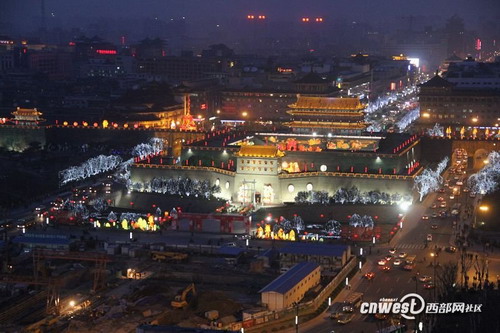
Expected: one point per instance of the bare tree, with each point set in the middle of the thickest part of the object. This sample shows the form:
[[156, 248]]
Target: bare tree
[[466, 262], [446, 279], [481, 267]]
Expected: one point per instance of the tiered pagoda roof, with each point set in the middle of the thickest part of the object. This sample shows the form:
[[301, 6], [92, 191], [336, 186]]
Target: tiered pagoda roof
[[327, 112], [259, 151], [328, 103]]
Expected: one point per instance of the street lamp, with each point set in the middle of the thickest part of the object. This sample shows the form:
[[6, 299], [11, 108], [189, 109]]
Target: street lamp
[[483, 209], [296, 305], [434, 256]]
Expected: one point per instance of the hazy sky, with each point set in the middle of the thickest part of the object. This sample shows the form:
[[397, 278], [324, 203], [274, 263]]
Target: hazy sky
[[18, 12]]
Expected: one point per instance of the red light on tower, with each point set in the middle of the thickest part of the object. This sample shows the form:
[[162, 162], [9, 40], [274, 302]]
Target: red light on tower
[[319, 19], [305, 19], [250, 17]]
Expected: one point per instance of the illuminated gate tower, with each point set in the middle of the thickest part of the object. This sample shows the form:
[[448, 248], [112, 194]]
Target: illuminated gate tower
[[327, 115], [27, 117], [256, 179]]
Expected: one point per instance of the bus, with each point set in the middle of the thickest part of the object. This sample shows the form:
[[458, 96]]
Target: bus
[[352, 301]]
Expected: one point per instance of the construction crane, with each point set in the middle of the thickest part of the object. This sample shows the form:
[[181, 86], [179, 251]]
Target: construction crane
[[180, 301], [100, 259], [53, 287]]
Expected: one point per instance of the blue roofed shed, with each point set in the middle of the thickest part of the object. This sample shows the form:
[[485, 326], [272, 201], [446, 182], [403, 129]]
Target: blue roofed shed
[[331, 257], [291, 286], [60, 242]]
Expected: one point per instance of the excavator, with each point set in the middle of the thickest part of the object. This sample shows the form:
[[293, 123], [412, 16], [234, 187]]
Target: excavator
[[180, 301]]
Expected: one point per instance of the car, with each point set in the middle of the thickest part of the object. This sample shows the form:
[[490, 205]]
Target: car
[[440, 199], [441, 190], [429, 285], [369, 276], [442, 204], [347, 309], [386, 268], [472, 195], [425, 278], [392, 250], [460, 183], [402, 255], [451, 249], [335, 315], [434, 226], [429, 237], [434, 205], [425, 217], [452, 197], [382, 262], [397, 262], [408, 267], [434, 215], [388, 257], [345, 318], [466, 190]]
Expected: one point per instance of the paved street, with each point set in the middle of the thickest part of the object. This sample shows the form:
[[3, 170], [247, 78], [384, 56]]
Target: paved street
[[397, 282]]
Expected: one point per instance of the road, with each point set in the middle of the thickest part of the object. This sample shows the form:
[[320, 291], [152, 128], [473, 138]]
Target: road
[[398, 282]]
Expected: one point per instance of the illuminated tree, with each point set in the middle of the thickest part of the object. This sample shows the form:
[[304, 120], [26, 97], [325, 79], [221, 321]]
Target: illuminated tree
[[99, 205], [91, 167], [334, 227], [144, 150], [408, 118], [430, 180], [437, 130], [486, 180], [298, 223], [179, 186], [112, 216]]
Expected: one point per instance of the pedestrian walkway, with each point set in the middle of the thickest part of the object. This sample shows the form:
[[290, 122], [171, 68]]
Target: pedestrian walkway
[[410, 246]]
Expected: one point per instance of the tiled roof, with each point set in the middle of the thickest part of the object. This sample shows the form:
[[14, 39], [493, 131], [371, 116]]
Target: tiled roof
[[259, 151], [329, 103], [39, 240], [437, 81], [288, 280]]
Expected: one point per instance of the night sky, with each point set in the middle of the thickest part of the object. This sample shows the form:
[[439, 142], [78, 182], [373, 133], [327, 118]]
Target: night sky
[[65, 11]]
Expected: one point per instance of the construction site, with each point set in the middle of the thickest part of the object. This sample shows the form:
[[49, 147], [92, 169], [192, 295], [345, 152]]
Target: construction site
[[120, 286]]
